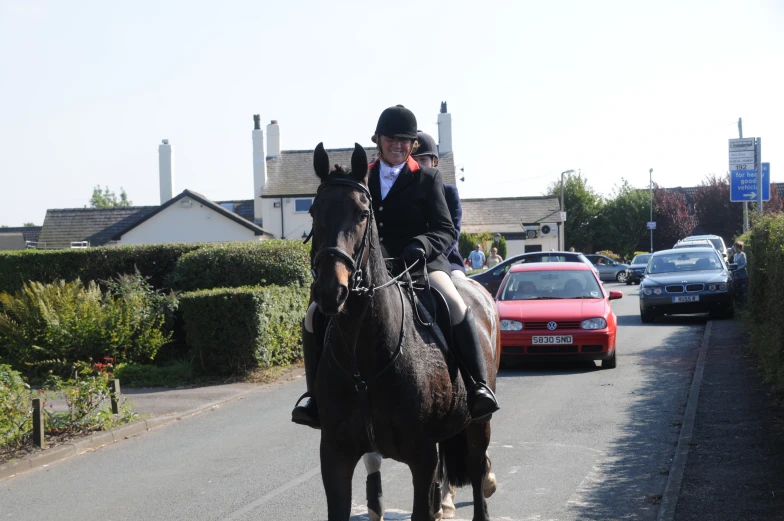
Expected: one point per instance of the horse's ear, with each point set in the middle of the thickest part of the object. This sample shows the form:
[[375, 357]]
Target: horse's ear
[[359, 164], [321, 162]]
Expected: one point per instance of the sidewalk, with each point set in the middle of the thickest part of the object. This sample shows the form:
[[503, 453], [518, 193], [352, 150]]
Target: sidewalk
[[155, 406], [735, 466]]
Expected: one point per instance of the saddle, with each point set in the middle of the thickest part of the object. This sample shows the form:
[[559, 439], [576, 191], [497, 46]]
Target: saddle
[[433, 311]]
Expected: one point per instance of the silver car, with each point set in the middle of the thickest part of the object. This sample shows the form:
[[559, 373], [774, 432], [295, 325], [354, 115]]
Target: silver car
[[608, 268]]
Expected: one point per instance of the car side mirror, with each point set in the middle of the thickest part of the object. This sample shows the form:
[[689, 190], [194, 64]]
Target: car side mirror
[[615, 295]]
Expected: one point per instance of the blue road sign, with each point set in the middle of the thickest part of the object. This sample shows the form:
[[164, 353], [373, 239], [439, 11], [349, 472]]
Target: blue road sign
[[743, 184]]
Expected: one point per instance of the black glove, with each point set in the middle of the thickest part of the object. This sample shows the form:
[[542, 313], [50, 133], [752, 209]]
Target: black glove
[[414, 252]]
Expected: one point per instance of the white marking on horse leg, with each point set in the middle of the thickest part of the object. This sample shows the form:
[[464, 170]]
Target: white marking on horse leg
[[372, 462]]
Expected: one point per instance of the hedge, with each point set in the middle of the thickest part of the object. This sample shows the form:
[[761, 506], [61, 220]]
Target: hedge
[[233, 330], [764, 247], [235, 265], [154, 262]]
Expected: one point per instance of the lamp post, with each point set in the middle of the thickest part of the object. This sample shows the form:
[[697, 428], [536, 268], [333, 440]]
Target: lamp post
[[650, 185], [562, 245]]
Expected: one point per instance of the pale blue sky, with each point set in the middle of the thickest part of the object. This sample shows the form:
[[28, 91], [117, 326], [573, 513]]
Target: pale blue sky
[[88, 89]]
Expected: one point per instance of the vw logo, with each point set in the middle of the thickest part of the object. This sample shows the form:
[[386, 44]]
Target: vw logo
[[551, 326]]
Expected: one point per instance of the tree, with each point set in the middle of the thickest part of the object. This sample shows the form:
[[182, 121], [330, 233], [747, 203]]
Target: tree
[[28, 224], [715, 213], [582, 207], [622, 220], [4, 226], [108, 199], [500, 244], [671, 214]]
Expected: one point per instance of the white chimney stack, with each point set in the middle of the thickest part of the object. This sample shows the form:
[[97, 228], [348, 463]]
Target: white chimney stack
[[165, 170], [273, 139], [259, 167], [444, 131]]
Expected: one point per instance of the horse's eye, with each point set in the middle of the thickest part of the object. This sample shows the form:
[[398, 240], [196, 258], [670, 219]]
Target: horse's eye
[[364, 215]]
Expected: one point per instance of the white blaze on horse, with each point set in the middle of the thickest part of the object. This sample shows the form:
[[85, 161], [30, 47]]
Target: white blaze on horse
[[385, 384]]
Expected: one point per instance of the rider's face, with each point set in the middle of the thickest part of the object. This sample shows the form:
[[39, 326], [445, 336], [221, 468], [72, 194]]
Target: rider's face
[[395, 150]]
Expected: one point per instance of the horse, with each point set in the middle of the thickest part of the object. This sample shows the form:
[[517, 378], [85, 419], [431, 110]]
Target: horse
[[384, 384]]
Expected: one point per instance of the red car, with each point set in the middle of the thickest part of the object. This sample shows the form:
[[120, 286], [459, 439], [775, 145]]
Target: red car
[[556, 310]]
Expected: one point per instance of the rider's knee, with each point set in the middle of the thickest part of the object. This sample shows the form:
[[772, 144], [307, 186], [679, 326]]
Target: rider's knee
[[309, 317]]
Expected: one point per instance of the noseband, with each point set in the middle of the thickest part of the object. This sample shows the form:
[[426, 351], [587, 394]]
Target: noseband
[[356, 277]]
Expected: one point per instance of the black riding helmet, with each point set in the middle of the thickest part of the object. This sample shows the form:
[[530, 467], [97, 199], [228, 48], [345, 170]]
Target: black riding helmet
[[397, 121], [427, 145]]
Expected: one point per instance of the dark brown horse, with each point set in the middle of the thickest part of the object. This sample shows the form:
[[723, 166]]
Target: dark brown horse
[[383, 383]]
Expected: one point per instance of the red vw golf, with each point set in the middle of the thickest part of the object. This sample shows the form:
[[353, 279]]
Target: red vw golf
[[556, 310]]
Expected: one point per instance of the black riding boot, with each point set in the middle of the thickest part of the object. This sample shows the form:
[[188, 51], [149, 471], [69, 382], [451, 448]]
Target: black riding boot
[[481, 400], [311, 351]]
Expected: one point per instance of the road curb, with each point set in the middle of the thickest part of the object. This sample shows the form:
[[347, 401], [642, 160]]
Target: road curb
[[675, 479], [103, 438]]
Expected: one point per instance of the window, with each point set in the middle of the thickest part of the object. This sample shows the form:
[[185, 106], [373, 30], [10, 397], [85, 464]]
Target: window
[[302, 205]]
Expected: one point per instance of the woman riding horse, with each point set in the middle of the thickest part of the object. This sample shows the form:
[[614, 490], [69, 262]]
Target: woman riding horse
[[414, 225]]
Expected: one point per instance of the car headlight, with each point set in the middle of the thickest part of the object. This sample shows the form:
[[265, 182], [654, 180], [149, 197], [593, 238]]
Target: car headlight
[[647, 291], [657, 291], [712, 287], [511, 325], [723, 286], [594, 323]]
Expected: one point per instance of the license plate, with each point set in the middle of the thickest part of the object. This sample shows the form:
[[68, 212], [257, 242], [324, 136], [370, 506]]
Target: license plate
[[567, 339], [689, 298]]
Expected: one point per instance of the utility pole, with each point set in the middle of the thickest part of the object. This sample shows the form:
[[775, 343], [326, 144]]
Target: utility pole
[[745, 203], [650, 184]]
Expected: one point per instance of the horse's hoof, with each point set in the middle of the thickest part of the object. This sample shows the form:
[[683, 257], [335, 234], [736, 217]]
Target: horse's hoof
[[489, 485], [374, 516], [439, 515]]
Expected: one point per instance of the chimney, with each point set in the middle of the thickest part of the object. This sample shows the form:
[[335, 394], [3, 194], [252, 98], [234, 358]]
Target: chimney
[[165, 170], [273, 139], [259, 167], [444, 131]]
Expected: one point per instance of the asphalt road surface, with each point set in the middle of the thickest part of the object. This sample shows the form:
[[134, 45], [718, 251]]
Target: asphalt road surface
[[572, 442]]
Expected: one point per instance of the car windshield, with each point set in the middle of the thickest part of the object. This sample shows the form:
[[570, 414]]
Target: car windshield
[[551, 284], [543, 257], [641, 259], [686, 261]]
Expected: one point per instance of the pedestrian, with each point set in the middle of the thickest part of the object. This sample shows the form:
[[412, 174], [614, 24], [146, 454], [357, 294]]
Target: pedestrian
[[477, 258], [427, 155], [414, 228], [494, 258], [571, 249], [741, 274]]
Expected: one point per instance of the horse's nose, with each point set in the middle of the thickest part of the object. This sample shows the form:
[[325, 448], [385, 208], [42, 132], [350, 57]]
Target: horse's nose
[[342, 294], [330, 300]]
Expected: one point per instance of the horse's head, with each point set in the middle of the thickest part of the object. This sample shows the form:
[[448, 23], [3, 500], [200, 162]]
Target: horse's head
[[342, 215]]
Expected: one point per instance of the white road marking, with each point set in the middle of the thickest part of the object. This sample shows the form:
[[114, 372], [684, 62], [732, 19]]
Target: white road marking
[[278, 491]]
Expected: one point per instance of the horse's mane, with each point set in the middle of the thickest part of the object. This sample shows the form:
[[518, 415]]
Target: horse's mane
[[340, 170]]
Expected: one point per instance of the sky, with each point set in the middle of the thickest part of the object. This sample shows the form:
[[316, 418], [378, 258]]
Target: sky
[[610, 89]]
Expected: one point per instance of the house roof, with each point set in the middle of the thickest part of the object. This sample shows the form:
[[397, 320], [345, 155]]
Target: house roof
[[257, 230], [508, 214], [243, 208], [30, 233], [12, 241], [291, 174], [96, 225]]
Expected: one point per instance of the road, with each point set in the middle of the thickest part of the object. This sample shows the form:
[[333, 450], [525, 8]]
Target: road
[[572, 442]]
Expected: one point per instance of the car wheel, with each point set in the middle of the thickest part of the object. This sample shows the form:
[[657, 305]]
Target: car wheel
[[647, 316], [609, 363], [621, 276]]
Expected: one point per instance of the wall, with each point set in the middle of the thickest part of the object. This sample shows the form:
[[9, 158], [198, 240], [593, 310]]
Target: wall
[[296, 223], [518, 247], [196, 223]]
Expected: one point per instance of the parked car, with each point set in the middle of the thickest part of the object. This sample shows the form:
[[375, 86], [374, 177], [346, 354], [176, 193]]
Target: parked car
[[556, 310], [491, 278], [608, 268], [636, 269], [716, 241], [692, 244], [685, 281]]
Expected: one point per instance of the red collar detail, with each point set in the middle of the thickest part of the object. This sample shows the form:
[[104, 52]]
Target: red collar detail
[[411, 163]]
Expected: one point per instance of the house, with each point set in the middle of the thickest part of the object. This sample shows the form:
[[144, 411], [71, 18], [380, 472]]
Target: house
[[527, 223], [19, 237]]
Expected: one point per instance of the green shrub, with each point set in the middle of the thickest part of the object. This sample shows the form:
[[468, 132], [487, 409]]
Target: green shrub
[[613, 256], [239, 264], [501, 245], [15, 406], [138, 375], [155, 262], [52, 326], [465, 244], [233, 330]]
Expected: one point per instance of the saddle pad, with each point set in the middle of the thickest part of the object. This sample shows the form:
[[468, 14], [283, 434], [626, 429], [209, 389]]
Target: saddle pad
[[442, 326]]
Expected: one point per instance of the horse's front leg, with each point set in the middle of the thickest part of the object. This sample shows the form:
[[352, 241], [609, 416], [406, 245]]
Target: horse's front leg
[[337, 469], [423, 471], [478, 466], [375, 498]]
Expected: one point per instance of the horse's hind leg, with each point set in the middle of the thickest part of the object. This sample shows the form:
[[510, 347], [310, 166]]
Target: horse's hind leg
[[337, 469], [423, 471], [375, 499], [477, 464]]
